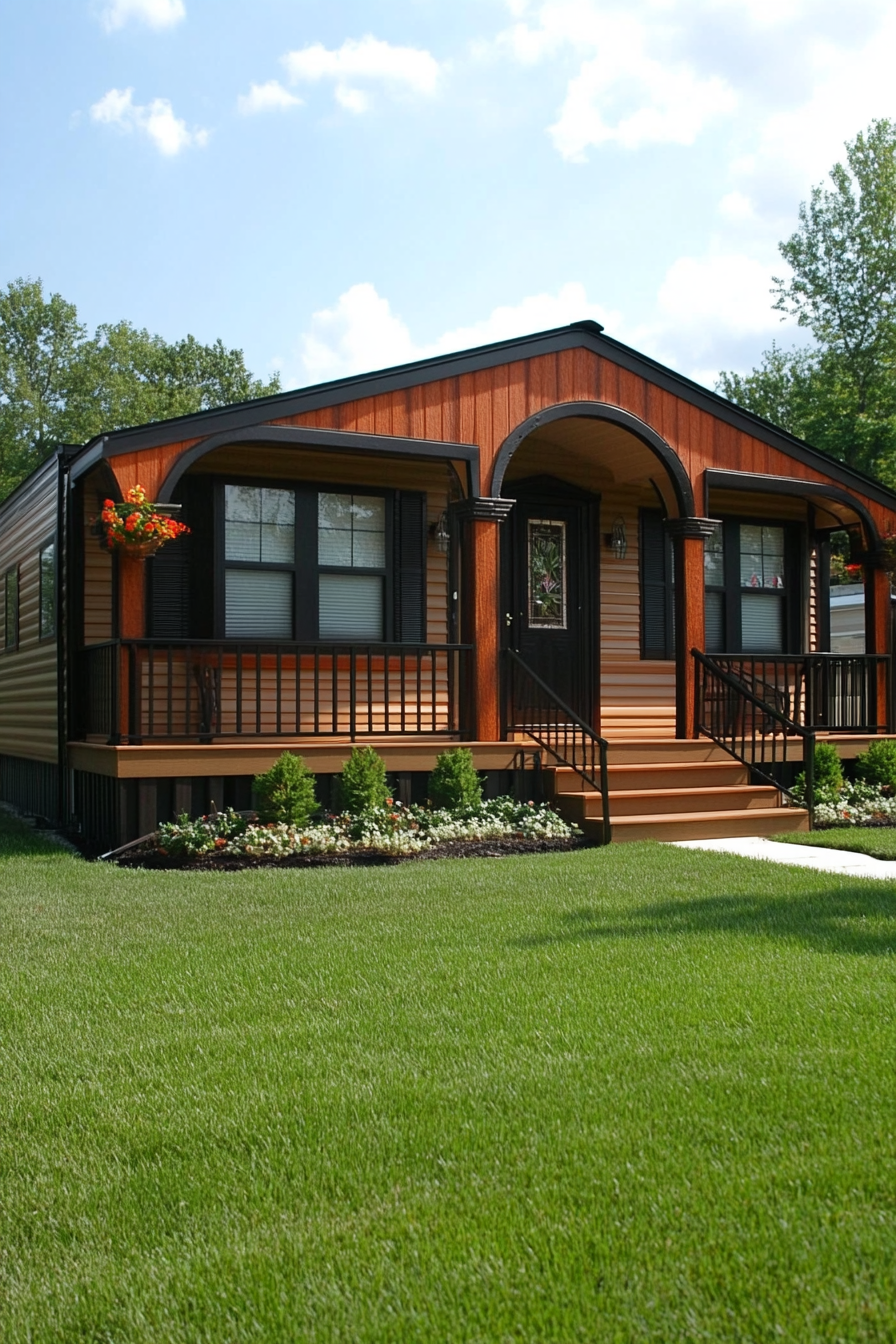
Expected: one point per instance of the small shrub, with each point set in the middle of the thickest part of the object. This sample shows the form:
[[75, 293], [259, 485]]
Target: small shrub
[[828, 775], [877, 765], [362, 785], [454, 783], [285, 793]]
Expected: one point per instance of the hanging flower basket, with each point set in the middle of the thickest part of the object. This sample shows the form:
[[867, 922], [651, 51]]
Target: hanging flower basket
[[135, 527]]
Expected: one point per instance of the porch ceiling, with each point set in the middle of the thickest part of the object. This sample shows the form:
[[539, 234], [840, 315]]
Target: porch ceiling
[[590, 453]]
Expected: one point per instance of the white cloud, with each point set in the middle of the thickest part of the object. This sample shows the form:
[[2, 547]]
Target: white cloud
[[401, 69], [266, 98], [736, 208], [168, 133], [154, 13], [711, 312], [361, 332]]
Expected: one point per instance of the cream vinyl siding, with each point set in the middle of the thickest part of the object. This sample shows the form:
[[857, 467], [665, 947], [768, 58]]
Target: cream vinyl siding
[[28, 673], [97, 567]]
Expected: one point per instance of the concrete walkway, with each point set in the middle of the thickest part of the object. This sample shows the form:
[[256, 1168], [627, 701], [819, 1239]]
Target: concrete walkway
[[799, 856]]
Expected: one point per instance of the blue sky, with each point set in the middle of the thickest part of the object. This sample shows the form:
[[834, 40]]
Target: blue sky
[[336, 187]]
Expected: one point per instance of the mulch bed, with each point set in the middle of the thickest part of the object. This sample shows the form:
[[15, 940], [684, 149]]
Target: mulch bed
[[453, 849]]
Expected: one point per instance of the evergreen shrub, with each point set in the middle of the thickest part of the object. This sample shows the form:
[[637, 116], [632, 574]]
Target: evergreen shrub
[[877, 765], [285, 794], [362, 785], [454, 783], [828, 774]]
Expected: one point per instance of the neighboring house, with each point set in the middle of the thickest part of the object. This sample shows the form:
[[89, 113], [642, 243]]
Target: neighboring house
[[848, 618], [365, 555]]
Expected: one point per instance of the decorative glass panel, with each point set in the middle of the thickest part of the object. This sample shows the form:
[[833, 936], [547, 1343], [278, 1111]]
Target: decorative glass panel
[[547, 573], [761, 556], [258, 604], [351, 531], [351, 607]]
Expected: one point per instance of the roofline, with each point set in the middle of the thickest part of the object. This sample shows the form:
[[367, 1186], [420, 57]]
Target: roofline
[[586, 334]]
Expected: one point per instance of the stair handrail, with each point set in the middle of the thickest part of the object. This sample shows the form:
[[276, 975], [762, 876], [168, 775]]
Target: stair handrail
[[727, 741], [585, 739]]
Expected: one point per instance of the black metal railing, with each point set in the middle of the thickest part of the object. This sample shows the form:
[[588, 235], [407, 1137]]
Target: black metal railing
[[752, 728], [533, 707], [830, 692], [148, 689]]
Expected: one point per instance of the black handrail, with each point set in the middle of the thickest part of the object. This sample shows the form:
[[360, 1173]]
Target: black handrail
[[728, 711], [534, 708], [830, 692], [155, 689]]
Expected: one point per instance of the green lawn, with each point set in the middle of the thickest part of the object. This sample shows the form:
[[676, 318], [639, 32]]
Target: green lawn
[[629, 1094], [878, 841]]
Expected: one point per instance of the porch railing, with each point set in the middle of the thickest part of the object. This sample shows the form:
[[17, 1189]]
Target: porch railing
[[829, 692], [533, 707], [754, 728], [145, 690]]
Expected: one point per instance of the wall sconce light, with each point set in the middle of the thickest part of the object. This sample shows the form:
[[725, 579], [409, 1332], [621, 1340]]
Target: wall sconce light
[[439, 533], [615, 541]]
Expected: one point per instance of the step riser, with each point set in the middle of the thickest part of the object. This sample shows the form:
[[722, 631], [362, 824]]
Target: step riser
[[745, 823], [656, 777], [589, 805]]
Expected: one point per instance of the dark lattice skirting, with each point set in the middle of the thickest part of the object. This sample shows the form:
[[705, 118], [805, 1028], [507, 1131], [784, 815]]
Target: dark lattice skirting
[[31, 786]]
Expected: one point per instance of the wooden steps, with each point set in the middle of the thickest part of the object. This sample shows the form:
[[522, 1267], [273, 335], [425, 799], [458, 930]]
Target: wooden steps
[[674, 790]]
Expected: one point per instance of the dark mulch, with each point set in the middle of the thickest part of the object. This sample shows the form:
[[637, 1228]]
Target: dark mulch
[[454, 849]]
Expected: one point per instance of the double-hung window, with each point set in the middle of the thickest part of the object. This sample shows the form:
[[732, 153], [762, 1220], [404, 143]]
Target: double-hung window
[[351, 558], [260, 562], [750, 574], [47, 596], [11, 609], [317, 564]]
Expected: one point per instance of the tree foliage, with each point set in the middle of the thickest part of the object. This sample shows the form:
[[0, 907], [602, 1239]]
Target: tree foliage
[[58, 384], [840, 393]]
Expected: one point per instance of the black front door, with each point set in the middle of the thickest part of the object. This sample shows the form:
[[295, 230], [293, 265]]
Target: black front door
[[550, 612]]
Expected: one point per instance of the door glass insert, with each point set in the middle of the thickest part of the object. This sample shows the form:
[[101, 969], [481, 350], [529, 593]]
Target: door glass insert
[[547, 573]]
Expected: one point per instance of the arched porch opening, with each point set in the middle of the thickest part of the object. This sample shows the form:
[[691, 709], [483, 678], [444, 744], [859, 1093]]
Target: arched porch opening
[[587, 566]]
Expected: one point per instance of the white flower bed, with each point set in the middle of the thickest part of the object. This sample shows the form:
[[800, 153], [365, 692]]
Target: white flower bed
[[857, 804], [391, 830]]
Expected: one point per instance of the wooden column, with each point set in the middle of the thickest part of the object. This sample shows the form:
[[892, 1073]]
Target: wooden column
[[688, 535], [877, 632], [131, 623], [480, 532]]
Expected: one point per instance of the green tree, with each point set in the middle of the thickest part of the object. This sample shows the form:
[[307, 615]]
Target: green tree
[[59, 385], [840, 394]]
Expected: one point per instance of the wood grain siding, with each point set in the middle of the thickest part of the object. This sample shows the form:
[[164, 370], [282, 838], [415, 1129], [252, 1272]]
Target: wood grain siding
[[28, 673], [97, 567], [482, 407]]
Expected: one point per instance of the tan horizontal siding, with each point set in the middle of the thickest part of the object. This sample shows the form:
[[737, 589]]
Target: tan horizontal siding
[[28, 688], [97, 568], [620, 587]]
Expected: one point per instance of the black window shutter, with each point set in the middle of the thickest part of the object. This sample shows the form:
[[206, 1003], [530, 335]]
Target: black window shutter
[[169, 588], [657, 635], [409, 557]]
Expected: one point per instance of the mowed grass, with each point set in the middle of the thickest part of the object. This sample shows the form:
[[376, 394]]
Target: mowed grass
[[878, 841], [629, 1094]]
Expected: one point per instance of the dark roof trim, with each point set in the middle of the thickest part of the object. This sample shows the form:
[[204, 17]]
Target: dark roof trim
[[327, 441], [717, 478], [598, 410], [580, 335]]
